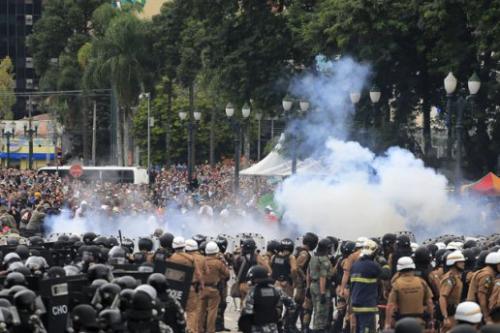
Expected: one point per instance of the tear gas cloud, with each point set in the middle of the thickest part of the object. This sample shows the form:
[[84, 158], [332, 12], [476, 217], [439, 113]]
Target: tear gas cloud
[[352, 192]]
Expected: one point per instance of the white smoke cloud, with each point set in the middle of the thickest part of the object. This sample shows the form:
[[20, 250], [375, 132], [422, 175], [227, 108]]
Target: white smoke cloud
[[357, 193]]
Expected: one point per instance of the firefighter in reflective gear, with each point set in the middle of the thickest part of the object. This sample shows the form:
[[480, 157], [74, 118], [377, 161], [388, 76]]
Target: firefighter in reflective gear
[[481, 286], [320, 272], [346, 249], [210, 297], [263, 303], [284, 267], [347, 267], [364, 277], [450, 290], [304, 306], [247, 259], [183, 258], [408, 296], [145, 246]]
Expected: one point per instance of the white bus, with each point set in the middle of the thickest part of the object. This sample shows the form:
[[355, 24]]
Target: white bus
[[111, 174]]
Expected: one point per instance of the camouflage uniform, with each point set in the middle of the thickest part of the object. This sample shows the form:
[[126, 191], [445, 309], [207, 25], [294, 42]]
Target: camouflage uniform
[[319, 267]]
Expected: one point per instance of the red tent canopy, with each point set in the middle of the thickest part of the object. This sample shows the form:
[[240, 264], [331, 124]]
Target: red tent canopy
[[488, 185]]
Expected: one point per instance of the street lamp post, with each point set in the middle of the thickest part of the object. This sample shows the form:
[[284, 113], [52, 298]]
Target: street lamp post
[[237, 128], [258, 116], [7, 135], [291, 115], [450, 85], [375, 95], [183, 115], [147, 96], [355, 97], [30, 131]]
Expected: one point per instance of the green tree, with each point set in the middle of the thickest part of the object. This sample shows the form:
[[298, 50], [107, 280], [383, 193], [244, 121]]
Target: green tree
[[125, 68], [7, 85]]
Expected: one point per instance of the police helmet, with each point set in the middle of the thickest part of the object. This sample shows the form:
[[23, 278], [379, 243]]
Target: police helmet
[[432, 248], [112, 241], [74, 238], [347, 248], [13, 290], [126, 282], [470, 244], [324, 246], [273, 246], [202, 247], [110, 318], [221, 243], [141, 307], [492, 258], [178, 243], [10, 258], [191, 245], [71, 270], [15, 279], [116, 252], [96, 284], [126, 298], [454, 257], [23, 251], [36, 241], [310, 240], [464, 328], [55, 272], [405, 264], [166, 240], [84, 316], [89, 237], [145, 244], [211, 248], [99, 271], [108, 292], [159, 282], [408, 325], [19, 268], [24, 300], [148, 289], [287, 244], [257, 274], [101, 241], [36, 263], [388, 240], [5, 303], [199, 238], [422, 256], [468, 312], [248, 245], [63, 238], [334, 241], [403, 241]]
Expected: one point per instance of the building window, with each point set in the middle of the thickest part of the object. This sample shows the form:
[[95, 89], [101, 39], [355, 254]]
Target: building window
[[29, 83], [29, 62], [28, 19]]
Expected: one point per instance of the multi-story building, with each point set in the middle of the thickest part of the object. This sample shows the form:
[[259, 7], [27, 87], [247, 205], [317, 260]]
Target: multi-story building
[[16, 23]]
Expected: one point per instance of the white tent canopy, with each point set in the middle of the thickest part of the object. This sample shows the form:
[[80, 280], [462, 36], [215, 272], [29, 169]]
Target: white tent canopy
[[274, 164]]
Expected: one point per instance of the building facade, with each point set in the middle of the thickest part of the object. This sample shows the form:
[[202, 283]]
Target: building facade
[[16, 23]]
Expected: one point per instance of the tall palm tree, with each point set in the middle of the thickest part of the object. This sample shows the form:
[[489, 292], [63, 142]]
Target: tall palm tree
[[119, 58]]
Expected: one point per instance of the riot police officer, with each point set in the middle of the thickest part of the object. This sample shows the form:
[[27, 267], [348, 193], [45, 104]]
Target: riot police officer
[[145, 246], [284, 266], [247, 259], [262, 306]]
